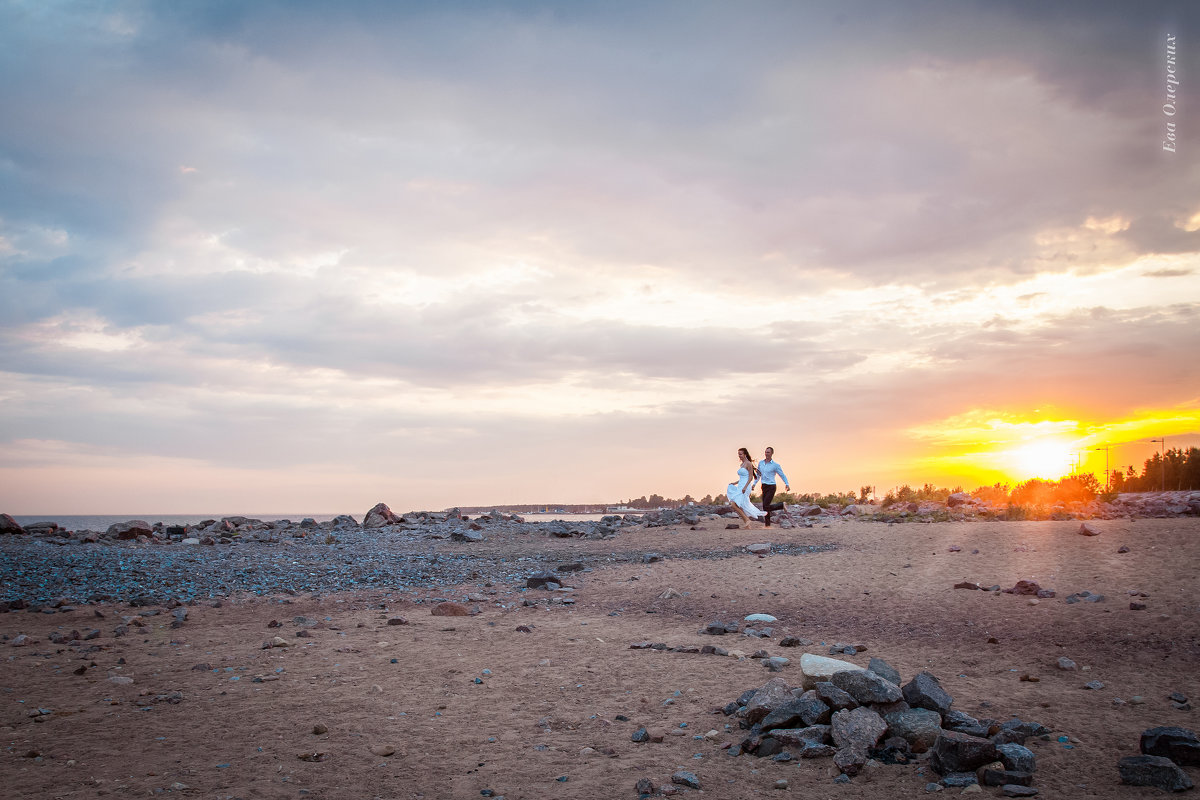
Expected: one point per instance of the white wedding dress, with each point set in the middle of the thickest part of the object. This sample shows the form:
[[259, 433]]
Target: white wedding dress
[[742, 499]]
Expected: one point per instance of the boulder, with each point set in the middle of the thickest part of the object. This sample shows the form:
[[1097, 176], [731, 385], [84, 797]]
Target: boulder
[[129, 530], [379, 516], [884, 670], [543, 580], [866, 687], [1162, 773], [919, 727], [814, 668], [958, 752], [924, 691], [9, 525], [808, 709], [1178, 744], [773, 694], [857, 729], [957, 499], [1016, 757], [466, 535], [834, 697]]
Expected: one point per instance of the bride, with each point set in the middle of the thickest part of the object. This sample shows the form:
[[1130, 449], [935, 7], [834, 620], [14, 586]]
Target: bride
[[739, 492]]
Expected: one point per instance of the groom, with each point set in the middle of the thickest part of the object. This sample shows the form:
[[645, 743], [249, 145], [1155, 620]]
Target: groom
[[768, 468]]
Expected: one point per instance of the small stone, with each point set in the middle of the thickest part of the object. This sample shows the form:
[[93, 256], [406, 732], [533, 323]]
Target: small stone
[[1135, 606], [1065, 663], [120, 680], [320, 729], [383, 750], [781, 783], [279, 641], [1094, 685], [685, 778], [397, 621], [1087, 530]]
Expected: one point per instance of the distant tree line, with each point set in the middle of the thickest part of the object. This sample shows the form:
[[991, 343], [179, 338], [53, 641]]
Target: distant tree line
[[1174, 470]]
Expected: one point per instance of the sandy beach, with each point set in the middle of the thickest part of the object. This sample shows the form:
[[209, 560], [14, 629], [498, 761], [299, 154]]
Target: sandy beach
[[371, 695]]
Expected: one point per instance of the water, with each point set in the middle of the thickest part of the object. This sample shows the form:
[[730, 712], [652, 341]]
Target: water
[[100, 522]]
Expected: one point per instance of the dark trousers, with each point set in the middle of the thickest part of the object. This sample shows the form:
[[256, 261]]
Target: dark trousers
[[768, 494]]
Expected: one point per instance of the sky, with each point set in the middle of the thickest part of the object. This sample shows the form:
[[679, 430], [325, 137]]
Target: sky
[[311, 256]]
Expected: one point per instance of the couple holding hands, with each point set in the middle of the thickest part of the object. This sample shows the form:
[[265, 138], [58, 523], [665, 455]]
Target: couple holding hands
[[750, 474]]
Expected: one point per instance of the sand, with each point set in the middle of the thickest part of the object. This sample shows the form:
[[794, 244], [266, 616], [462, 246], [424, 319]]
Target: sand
[[542, 721]]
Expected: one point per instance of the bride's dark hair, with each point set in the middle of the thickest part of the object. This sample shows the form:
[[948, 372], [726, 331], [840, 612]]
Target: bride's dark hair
[[753, 466]]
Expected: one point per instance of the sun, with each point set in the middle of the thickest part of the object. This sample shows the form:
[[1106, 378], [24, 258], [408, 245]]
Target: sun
[[1041, 459]]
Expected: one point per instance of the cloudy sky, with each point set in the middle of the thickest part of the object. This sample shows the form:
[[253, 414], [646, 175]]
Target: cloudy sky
[[310, 256]]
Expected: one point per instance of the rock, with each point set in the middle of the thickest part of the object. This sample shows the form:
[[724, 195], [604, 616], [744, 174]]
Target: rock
[[857, 729], [1156, 771], [814, 669], [279, 641], [990, 776], [773, 694], [776, 663], [760, 618], [120, 680], [808, 709], [958, 752], [320, 729], [802, 737], [960, 780], [918, 727], [924, 691], [671, 594], [383, 750], [835, 698], [129, 530], [866, 686], [957, 499], [1016, 790], [850, 760], [884, 670], [450, 610], [8, 525], [1065, 663], [1178, 744], [543, 580], [471, 534], [1087, 530], [759, 549], [1023, 587], [379, 516], [397, 621], [1016, 757], [685, 778]]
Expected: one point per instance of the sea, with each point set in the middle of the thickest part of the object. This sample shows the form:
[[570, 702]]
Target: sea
[[100, 522]]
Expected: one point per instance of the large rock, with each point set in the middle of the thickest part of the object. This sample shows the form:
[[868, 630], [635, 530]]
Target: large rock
[[814, 668], [1017, 757], [834, 697], [924, 691], [884, 670], [808, 709], [773, 694], [957, 499], [131, 529], [1178, 744], [1156, 771], [920, 727], [958, 752], [379, 516], [9, 525], [857, 729], [797, 737], [866, 687]]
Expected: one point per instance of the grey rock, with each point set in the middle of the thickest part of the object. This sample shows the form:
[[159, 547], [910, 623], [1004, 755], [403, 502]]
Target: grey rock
[[866, 687], [1156, 771], [379, 516], [835, 698], [1005, 777], [543, 580], [884, 670], [959, 780], [918, 727], [774, 694], [924, 691], [1016, 790], [958, 752], [808, 709], [857, 729], [1178, 744], [685, 778], [800, 737], [1065, 663], [1016, 757], [961, 722], [131, 529], [8, 525]]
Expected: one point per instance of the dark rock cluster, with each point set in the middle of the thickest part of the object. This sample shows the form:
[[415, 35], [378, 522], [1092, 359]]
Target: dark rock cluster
[[859, 716], [1165, 751]]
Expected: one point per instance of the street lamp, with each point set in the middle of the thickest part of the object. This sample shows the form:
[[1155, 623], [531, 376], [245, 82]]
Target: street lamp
[[1107, 485], [1162, 460]]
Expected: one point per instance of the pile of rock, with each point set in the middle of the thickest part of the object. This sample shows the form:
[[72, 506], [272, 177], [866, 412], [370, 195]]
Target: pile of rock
[[1156, 504], [1165, 751], [864, 718]]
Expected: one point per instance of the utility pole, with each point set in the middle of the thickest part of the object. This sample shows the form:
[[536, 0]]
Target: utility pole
[[1162, 459], [1107, 485]]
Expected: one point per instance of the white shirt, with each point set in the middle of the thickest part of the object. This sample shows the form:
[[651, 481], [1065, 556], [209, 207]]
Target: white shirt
[[769, 469]]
